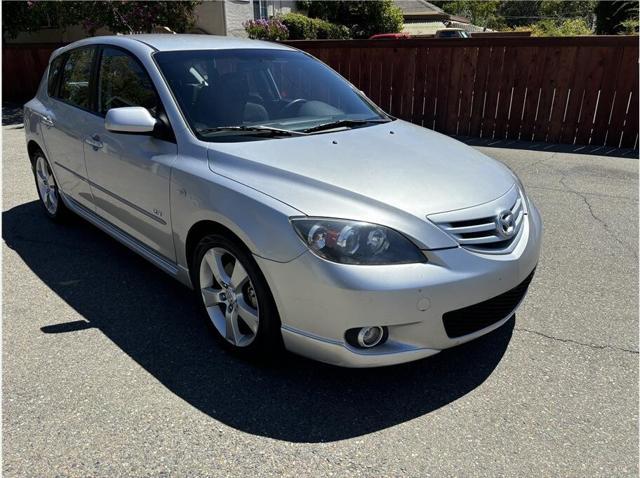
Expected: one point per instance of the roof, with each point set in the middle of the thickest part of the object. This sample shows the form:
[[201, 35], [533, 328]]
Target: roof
[[167, 42], [173, 42], [423, 11], [419, 7]]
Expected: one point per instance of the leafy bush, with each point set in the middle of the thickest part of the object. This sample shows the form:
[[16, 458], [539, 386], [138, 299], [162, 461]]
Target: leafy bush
[[327, 30], [302, 27], [117, 16], [629, 27], [362, 18], [567, 28], [272, 29]]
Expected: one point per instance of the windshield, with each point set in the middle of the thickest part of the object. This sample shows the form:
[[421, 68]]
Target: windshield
[[230, 94]]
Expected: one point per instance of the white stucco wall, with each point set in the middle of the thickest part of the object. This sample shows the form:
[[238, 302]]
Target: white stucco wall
[[210, 18], [237, 12]]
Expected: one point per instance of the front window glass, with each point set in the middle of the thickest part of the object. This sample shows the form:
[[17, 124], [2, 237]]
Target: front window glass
[[244, 88], [75, 77], [123, 82]]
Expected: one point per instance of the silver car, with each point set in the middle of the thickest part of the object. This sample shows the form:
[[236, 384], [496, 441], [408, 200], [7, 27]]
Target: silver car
[[303, 215]]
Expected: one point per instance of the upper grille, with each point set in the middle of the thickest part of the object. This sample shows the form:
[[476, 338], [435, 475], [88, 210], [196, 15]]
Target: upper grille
[[479, 316], [483, 232]]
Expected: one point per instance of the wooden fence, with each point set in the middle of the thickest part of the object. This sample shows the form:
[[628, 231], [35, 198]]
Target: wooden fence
[[577, 90], [22, 69]]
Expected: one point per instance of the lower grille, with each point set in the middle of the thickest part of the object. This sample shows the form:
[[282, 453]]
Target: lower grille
[[478, 316]]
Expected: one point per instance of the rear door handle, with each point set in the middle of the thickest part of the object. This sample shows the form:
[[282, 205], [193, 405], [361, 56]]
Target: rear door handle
[[94, 142], [46, 120]]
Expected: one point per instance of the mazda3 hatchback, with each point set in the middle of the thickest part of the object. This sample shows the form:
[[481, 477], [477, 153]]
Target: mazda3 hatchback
[[302, 215]]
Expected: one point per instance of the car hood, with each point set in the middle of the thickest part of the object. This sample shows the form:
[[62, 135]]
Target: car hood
[[370, 173]]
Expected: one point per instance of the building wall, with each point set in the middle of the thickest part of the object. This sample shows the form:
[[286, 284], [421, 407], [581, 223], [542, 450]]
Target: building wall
[[236, 12], [210, 18]]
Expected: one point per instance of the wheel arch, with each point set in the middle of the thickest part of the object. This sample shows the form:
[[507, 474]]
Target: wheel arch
[[32, 148], [204, 227]]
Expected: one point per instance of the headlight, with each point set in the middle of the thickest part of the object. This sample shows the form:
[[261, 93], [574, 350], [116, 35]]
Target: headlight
[[352, 242]]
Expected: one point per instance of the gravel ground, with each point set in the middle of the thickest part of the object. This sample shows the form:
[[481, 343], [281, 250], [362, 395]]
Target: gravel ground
[[108, 371]]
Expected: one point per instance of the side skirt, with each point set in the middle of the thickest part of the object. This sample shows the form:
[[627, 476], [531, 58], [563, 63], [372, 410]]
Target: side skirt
[[176, 271]]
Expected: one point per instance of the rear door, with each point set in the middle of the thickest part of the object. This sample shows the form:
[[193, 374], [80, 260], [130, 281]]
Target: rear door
[[64, 126], [130, 173]]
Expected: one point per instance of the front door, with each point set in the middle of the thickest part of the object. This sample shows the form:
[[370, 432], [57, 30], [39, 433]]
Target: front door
[[130, 174]]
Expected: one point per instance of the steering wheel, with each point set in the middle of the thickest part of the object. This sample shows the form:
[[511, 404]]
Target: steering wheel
[[293, 104]]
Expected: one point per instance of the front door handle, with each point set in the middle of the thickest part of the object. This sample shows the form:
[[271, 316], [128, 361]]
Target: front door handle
[[94, 142]]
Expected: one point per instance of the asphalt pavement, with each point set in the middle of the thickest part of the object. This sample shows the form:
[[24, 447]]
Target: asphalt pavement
[[109, 371]]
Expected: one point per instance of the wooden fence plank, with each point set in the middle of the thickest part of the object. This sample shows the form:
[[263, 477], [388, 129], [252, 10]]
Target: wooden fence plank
[[466, 97], [601, 58], [625, 84], [409, 75], [419, 85], [630, 128], [547, 95], [386, 79], [506, 88], [584, 64], [479, 89], [522, 70], [493, 92], [444, 88], [375, 68], [566, 75], [431, 87], [534, 91], [450, 112], [607, 93]]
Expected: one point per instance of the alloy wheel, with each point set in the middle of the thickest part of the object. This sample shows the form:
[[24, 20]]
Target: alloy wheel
[[229, 297], [46, 185]]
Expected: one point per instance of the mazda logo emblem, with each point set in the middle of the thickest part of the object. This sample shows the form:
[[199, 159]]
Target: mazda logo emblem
[[506, 224]]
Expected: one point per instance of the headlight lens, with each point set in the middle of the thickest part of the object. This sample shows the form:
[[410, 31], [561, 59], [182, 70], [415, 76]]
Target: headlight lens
[[353, 242]]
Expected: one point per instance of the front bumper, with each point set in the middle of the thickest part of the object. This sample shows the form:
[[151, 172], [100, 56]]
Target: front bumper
[[319, 300]]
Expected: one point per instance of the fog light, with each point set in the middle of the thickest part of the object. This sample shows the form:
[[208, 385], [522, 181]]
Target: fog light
[[367, 337]]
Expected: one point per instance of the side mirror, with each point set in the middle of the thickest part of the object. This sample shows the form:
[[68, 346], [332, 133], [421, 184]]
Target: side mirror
[[130, 119]]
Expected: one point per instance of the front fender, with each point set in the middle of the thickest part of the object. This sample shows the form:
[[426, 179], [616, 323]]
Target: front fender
[[260, 221]]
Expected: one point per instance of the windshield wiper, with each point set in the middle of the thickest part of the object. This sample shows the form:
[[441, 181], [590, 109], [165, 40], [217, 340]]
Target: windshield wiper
[[345, 123], [252, 129]]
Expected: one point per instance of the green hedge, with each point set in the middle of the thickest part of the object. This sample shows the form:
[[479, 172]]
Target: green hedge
[[302, 27]]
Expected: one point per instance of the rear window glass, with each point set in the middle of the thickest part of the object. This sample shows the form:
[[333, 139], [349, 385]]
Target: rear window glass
[[75, 77]]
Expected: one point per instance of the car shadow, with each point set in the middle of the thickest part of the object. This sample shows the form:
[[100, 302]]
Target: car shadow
[[154, 320], [12, 114]]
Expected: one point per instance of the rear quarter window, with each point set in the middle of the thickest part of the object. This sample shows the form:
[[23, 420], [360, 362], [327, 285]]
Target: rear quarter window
[[54, 75]]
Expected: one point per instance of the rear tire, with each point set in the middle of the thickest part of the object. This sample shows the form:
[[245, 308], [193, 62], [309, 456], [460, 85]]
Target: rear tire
[[235, 298], [47, 188]]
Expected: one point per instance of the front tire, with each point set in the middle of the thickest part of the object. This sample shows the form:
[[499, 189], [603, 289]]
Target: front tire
[[235, 298], [48, 189]]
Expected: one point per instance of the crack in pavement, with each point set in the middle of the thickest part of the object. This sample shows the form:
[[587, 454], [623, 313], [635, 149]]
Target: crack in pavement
[[575, 342], [600, 195], [604, 224], [583, 196]]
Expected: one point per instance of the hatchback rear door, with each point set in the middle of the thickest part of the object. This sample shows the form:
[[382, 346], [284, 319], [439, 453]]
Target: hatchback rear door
[[64, 125]]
